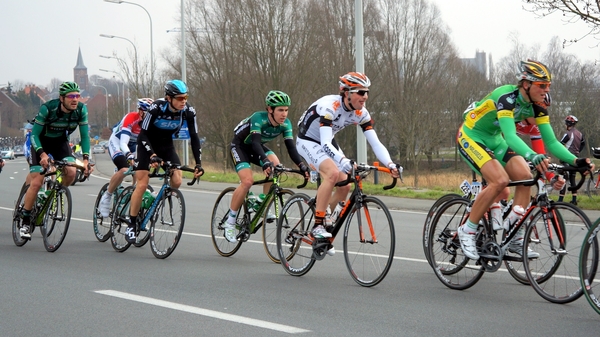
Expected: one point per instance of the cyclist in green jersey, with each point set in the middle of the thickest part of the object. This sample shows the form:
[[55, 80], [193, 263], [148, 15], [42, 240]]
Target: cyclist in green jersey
[[55, 121], [248, 147], [488, 142]]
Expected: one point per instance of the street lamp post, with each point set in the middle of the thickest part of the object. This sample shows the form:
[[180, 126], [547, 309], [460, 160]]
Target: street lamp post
[[151, 39], [128, 91], [134, 49], [122, 84]]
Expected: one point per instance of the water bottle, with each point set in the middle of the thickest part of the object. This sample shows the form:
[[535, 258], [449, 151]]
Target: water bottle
[[251, 202], [513, 217], [147, 199], [41, 198], [336, 211], [496, 216], [259, 200]]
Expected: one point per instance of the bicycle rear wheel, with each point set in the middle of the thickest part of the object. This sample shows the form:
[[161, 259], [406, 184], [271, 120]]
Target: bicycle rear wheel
[[120, 220], [294, 242], [101, 226], [369, 242], [167, 223], [219, 216], [57, 219], [588, 266], [555, 274], [17, 224], [430, 215], [590, 186], [269, 228], [516, 269], [449, 263]]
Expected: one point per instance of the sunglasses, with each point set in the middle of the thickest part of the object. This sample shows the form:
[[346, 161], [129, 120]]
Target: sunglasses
[[542, 85], [181, 98], [73, 96], [360, 92]]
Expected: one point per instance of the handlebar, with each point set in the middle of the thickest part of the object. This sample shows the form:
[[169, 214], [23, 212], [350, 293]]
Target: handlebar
[[560, 169], [278, 170], [360, 171]]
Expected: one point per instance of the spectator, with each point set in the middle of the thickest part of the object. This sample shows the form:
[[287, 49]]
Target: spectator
[[574, 141]]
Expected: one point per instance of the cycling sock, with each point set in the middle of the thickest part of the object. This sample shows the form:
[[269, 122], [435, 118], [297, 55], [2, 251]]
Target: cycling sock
[[319, 217], [232, 216], [470, 228], [132, 221]]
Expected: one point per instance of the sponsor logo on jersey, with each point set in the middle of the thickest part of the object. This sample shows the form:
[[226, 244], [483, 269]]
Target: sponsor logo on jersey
[[335, 105]]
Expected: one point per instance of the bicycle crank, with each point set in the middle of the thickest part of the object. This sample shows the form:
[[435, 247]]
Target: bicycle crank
[[320, 247], [491, 256]]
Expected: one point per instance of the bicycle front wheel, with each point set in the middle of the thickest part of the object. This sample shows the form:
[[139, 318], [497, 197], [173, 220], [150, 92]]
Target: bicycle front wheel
[[451, 266], [120, 220], [590, 186], [294, 242], [101, 226], [269, 228], [588, 265], [57, 219], [219, 217], [16, 226], [369, 242], [167, 223], [559, 234]]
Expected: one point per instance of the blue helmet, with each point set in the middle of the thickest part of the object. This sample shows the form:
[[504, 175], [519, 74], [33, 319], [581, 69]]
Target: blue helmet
[[144, 103], [175, 87]]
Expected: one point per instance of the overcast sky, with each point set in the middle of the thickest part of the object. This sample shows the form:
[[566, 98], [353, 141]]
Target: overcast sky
[[40, 38]]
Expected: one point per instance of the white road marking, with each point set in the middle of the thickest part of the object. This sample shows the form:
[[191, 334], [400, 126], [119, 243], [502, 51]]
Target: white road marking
[[203, 312]]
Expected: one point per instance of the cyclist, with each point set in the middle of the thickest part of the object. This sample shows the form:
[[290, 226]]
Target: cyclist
[[55, 121], [488, 142], [161, 123], [574, 141], [248, 147], [121, 147], [316, 144]]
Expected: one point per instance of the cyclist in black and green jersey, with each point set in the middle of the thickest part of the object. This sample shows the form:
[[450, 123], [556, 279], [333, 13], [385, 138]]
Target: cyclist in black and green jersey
[[248, 147], [488, 142], [55, 121]]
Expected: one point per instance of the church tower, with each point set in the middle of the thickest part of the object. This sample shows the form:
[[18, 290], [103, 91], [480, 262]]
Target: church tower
[[80, 72]]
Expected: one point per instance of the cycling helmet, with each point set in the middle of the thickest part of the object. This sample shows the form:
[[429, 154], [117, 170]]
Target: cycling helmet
[[175, 87], [67, 87], [144, 103], [354, 80], [533, 71], [277, 98], [571, 120], [28, 126]]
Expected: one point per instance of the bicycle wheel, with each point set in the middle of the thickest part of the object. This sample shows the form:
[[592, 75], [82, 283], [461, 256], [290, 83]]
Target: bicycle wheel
[[516, 269], [449, 263], [590, 186], [269, 228], [588, 265], [120, 221], [554, 275], [57, 219], [294, 242], [16, 226], [101, 226], [430, 215], [143, 235], [167, 223], [219, 216], [369, 242]]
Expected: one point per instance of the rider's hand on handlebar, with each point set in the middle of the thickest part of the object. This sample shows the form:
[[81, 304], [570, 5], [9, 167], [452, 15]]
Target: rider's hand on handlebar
[[346, 165], [396, 170], [305, 169], [267, 167], [583, 162], [198, 171], [558, 182], [155, 161], [44, 160]]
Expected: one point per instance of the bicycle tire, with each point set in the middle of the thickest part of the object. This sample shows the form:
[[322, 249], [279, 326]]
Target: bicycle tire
[[269, 228], [294, 242], [57, 219], [429, 217], [449, 264], [119, 220], [101, 229], [167, 223], [17, 224], [369, 242], [516, 269], [142, 236], [588, 266], [555, 274], [590, 185], [219, 216]]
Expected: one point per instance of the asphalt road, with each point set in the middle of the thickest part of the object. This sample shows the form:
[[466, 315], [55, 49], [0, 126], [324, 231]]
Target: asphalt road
[[88, 289]]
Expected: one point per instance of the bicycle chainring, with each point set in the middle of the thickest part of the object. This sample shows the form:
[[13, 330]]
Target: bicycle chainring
[[491, 256]]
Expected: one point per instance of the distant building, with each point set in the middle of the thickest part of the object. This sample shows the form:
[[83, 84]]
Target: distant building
[[80, 73], [480, 63]]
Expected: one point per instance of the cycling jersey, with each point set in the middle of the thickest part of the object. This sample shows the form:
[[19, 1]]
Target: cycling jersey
[[573, 140], [252, 133], [496, 114], [124, 135], [326, 117], [531, 130], [53, 125], [160, 125]]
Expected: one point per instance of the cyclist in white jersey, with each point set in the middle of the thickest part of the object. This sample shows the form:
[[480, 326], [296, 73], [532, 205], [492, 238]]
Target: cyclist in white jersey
[[121, 147], [316, 143]]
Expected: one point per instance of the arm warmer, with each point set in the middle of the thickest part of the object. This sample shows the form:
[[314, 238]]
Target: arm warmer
[[291, 148], [380, 151], [326, 142]]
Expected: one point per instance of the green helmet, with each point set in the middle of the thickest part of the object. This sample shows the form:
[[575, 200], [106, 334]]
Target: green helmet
[[277, 98], [67, 87]]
